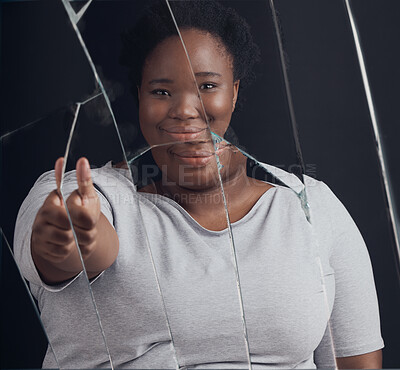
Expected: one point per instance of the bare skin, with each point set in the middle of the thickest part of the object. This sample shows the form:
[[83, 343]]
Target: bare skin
[[372, 360], [53, 247]]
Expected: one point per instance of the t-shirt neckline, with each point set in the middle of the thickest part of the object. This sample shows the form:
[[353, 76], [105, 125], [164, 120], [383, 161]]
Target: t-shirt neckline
[[203, 229]]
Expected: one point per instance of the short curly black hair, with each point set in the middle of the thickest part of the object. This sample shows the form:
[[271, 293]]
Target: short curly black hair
[[156, 25]]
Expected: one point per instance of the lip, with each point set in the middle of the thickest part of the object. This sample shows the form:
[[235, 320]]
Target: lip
[[184, 133], [194, 161], [196, 158]]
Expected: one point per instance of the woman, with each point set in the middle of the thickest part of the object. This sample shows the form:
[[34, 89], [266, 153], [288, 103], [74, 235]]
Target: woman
[[196, 321]]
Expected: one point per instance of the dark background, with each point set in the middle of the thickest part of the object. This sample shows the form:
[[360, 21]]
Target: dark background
[[44, 72]]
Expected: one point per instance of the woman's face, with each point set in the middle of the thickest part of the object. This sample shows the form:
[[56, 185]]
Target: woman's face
[[170, 110]]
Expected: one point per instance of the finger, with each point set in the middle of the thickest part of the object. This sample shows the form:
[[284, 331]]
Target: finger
[[55, 219], [59, 236], [83, 217], [84, 179], [84, 236], [58, 167], [58, 253], [54, 211]]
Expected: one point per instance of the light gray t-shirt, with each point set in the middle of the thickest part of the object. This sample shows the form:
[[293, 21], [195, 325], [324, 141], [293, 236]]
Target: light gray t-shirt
[[294, 277]]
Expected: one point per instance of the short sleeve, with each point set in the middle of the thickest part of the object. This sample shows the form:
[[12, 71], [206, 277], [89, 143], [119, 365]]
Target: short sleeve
[[354, 322], [26, 216]]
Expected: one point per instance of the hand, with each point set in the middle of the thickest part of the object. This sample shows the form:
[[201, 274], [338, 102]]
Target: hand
[[52, 237]]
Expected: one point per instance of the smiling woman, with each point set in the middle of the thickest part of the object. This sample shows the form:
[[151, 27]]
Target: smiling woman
[[170, 110], [305, 296]]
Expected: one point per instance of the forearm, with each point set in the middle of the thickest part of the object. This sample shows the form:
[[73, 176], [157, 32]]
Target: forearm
[[372, 360]]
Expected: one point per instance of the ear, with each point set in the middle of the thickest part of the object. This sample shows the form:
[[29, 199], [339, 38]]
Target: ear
[[235, 93]]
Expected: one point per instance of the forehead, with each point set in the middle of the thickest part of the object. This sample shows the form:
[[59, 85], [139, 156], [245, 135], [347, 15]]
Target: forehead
[[206, 52]]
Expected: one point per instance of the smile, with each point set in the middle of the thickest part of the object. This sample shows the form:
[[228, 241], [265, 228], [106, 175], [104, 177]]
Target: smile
[[196, 158], [184, 133]]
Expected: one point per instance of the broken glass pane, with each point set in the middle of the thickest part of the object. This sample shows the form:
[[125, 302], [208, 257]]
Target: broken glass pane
[[262, 132], [150, 267], [303, 263], [335, 127], [19, 310], [33, 143], [44, 63]]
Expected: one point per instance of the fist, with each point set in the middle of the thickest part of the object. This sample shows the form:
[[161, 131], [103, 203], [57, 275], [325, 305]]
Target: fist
[[52, 237]]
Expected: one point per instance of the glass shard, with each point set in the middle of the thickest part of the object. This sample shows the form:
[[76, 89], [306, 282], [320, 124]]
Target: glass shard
[[73, 228], [389, 190], [230, 252], [10, 339], [80, 8], [33, 143], [331, 113], [316, 297], [41, 75]]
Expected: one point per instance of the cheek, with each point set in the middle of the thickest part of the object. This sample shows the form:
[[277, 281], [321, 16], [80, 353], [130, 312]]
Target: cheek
[[219, 109], [161, 157], [151, 113]]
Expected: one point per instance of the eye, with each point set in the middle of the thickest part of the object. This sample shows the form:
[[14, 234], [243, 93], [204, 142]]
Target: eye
[[207, 86], [160, 92]]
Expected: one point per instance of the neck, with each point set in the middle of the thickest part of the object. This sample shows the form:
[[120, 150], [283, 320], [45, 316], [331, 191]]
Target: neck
[[198, 201]]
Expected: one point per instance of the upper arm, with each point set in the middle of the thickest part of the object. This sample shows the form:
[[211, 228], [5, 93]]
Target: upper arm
[[355, 335]]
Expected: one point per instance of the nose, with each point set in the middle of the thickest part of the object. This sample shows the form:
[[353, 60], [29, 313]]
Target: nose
[[185, 107]]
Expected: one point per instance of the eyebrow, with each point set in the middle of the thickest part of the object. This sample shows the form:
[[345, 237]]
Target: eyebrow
[[198, 74], [161, 81], [207, 74]]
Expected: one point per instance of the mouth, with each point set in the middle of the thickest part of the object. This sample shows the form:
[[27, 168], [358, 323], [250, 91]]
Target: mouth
[[197, 158], [184, 133]]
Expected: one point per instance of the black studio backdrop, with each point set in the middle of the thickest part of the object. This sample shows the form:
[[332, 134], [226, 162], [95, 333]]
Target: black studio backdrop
[[44, 71]]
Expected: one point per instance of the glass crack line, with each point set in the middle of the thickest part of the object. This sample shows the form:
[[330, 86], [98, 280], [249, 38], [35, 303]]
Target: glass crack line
[[232, 243], [71, 13], [71, 134], [76, 16], [91, 98], [302, 195], [37, 313], [287, 88], [22, 128], [378, 137], [145, 150], [153, 264], [81, 12], [321, 271], [38, 120]]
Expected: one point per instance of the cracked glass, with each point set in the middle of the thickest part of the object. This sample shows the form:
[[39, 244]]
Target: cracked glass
[[208, 279], [257, 270]]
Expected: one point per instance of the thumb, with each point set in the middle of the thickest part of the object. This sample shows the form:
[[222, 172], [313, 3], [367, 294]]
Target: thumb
[[58, 171], [84, 179]]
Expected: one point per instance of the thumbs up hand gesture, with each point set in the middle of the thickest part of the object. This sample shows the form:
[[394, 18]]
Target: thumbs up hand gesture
[[53, 246]]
